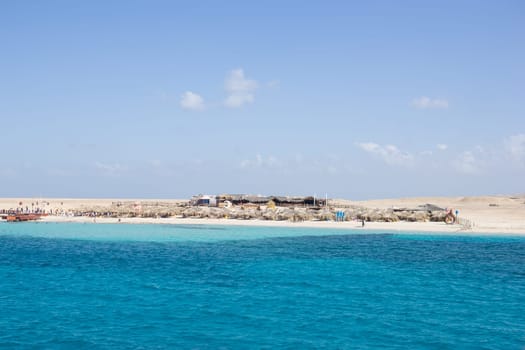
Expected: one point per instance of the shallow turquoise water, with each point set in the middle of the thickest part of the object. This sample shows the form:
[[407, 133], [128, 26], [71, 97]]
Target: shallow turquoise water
[[149, 286]]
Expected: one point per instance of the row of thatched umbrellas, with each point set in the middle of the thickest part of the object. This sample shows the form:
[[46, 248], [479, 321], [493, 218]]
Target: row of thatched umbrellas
[[166, 209]]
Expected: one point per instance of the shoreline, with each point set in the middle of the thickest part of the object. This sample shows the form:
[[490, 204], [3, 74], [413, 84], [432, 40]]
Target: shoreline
[[480, 215], [400, 226]]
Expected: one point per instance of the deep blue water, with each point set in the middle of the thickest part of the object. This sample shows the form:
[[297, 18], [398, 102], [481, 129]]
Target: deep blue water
[[148, 286]]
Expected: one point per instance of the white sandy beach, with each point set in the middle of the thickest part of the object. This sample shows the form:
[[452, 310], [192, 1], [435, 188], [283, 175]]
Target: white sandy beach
[[489, 214], [415, 227]]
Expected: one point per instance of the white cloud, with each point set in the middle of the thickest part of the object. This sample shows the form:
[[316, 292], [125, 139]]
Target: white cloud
[[466, 163], [441, 146], [515, 146], [273, 83], [192, 101], [389, 153], [236, 82], [479, 148], [259, 162], [114, 169], [424, 102], [238, 100], [240, 89]]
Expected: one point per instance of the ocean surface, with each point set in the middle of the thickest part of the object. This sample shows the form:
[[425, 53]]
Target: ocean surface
[[101, 286]]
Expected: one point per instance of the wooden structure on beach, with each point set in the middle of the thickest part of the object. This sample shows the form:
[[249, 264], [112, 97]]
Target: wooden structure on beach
[[19, 217]]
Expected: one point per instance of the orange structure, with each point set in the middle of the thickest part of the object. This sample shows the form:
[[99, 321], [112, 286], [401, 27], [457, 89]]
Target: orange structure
[[22, 217]]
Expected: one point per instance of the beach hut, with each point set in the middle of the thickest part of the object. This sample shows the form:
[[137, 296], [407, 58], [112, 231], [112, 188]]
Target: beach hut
[[204, 201]]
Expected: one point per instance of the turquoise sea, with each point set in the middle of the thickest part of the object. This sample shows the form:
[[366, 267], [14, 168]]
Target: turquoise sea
[[102, 286]]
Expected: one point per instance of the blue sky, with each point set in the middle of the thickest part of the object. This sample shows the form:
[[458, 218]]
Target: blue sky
[[165, 99]]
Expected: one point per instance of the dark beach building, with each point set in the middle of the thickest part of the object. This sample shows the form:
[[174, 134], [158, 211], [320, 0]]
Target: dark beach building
[[246, 199]]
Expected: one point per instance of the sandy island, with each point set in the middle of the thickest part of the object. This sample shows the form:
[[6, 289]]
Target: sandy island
[[489, 214]]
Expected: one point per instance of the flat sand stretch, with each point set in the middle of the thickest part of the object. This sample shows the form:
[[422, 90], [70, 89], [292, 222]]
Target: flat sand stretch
[[489, 214]]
